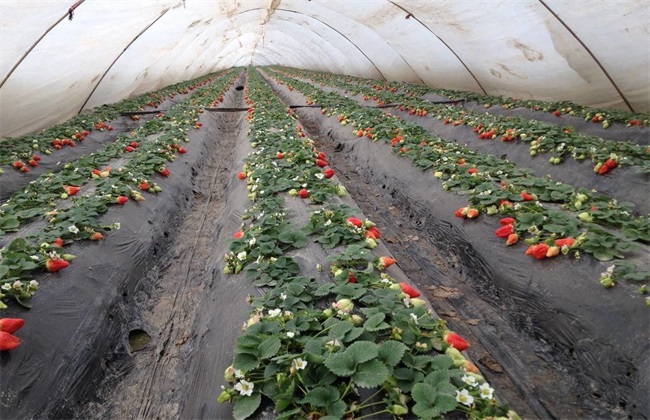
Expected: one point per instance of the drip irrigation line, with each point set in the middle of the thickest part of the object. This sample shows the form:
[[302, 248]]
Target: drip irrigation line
[[311, 106], [226, 109]]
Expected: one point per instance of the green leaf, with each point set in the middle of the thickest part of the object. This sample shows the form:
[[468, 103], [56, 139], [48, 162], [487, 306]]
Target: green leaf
[[340, 364], [18, 244], [639, 276], [437, 379], [340, 329], [446, 403], [441, 362], [603, 255], [269, 347], [362, 351], [245, 406], [553, 228], [374, 323], [10, 223], [353, 334], [335, 410], [321, 396], [245, 362], [430, 403], [283, 400], [24, 302], [424, 393], [371, 374], [391, 352], [3, 270]]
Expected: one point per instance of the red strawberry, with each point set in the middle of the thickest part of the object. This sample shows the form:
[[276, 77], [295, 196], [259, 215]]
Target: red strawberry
[[24, 169], [18, 164], [321, 155], [36, 158], [540, 251], [182, 150], [512, 239], [456, 341], [33, 163], [504, 231], [57, 243], [96, 236], [133, 144], [321, 163], [71, 190], [565, 241], [144, 186], [406, 288], [164, 172], [241, 175], [371, 235], [121, 200], [352, 278], [328, 173], [11, 325], [472, 213], [56, 264], [279, 155], [8, 341], [610, 163], [375, 231], [603, 170], [303, 193], [238, 234], [507, 221], [526, 196], [472, 170], [557, 113], [385, 262], [355, 222], [461, 212], [85, 133]]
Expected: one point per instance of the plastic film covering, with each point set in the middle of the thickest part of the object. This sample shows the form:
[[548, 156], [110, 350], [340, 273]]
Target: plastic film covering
[[593, 53]]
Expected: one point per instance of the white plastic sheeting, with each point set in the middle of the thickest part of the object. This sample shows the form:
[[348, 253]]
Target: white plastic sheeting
[[590, 52]]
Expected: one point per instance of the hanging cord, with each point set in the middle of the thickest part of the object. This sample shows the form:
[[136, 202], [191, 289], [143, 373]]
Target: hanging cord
[[71, 9]]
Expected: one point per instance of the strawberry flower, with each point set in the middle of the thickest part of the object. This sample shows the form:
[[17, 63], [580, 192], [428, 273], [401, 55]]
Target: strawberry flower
[[464, 398], [245, 388], [486, 391], [470, 380]]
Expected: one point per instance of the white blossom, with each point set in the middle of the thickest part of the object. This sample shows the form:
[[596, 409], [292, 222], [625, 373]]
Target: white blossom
[[245, 387]]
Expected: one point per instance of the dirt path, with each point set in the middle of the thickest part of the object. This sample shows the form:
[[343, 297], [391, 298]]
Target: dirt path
[[150, 385]]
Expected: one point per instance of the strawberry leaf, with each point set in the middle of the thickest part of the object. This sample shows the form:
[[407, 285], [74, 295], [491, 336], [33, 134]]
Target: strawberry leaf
[[371, 374], [269, 347], [245, 406], [391, 352], [341, 364]]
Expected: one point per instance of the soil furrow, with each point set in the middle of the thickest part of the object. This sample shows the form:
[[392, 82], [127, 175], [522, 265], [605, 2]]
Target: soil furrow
[[152, 386]]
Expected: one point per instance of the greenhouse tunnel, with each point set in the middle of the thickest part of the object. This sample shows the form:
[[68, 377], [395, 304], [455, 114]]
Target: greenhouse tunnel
[[322, 209]]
